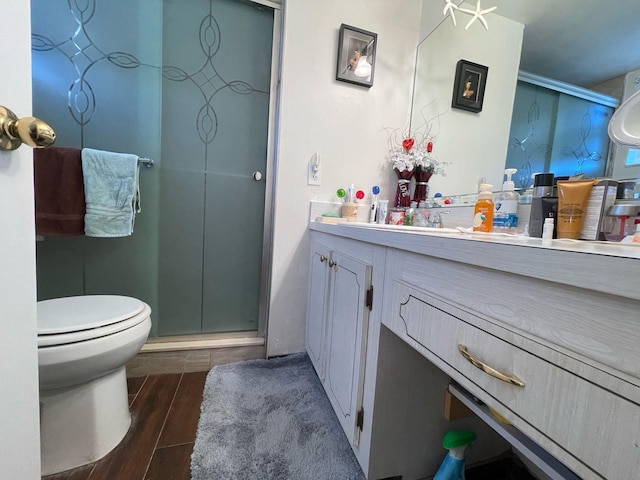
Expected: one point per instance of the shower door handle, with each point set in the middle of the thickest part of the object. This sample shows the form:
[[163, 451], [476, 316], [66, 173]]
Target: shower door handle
[[257, 176]]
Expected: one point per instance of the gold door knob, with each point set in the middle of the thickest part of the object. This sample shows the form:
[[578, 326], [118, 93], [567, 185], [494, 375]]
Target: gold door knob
[[28, 130]]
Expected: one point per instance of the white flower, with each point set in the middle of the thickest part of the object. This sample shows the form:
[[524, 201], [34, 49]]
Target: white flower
[[400, 159], [417, 156]]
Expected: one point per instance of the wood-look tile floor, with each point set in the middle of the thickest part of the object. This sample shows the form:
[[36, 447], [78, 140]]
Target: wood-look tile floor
[[165, 410]]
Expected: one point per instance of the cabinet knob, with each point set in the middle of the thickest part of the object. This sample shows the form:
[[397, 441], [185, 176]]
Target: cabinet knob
[[332, 263], [323, 258]]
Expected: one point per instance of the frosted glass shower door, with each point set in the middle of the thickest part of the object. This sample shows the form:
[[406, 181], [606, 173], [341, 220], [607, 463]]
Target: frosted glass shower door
[[215, 103]]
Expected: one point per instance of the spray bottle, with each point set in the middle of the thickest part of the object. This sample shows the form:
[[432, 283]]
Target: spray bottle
[[452, 467], [505, 215]]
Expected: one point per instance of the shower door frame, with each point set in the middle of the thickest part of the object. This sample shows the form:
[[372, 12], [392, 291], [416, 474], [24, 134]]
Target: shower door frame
[[270, 183]]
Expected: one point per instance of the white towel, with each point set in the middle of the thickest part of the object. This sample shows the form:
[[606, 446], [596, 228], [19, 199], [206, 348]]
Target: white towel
[[112, 192]]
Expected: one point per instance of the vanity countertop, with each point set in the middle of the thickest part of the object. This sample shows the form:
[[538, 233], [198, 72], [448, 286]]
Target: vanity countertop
[[605, 267]]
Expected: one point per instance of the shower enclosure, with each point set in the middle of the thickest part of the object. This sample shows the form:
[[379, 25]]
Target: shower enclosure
[[189, 85]]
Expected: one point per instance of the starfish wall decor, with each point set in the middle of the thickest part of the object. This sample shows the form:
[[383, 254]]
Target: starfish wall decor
[[477, 14]]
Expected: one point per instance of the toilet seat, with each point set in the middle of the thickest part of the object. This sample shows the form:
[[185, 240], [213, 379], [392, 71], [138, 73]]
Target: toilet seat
[[76, 319]]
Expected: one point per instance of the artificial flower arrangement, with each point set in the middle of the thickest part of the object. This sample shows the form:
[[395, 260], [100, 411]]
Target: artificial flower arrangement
[[413, 159]]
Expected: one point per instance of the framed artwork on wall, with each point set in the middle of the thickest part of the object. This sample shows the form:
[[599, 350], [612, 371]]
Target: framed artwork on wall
[[469, 84], [356, 56]]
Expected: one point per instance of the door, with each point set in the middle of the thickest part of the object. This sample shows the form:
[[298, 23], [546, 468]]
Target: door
[[346, 349], [215, 119], [317, 309], [19, 442], [187, 84]]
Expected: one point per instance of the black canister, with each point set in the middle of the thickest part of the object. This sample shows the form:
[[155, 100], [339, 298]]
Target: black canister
[[543, 184]]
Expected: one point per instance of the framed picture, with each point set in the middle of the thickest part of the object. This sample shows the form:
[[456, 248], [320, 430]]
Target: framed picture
[[356, 56], [469, 85]]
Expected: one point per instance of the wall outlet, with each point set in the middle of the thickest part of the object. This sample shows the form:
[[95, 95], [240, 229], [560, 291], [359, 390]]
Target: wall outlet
[[313, 176]]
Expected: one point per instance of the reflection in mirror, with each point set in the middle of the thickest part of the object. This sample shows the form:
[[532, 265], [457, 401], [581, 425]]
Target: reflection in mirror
[[474, 144], [598, 56], [558, 128], [624, 128]]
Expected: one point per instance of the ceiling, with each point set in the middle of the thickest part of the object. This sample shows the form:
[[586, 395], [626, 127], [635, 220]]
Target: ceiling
[[582, 42]]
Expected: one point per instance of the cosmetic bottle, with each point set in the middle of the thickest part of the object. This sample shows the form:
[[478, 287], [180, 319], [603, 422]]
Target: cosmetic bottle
[[383, 211], [548, 228], [505, 214], [544, 203], [483, 211]]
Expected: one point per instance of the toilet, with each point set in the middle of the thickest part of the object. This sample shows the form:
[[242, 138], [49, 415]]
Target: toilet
[[84, 343]]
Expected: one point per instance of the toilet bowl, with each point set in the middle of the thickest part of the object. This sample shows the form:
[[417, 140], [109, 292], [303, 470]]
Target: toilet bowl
[[84, 343]]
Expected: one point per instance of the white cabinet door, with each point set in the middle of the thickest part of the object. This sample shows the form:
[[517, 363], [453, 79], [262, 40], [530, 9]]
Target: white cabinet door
[[346, 348], [316, 330]]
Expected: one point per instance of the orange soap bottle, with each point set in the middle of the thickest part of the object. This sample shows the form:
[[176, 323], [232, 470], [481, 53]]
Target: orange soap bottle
[[483, 213]]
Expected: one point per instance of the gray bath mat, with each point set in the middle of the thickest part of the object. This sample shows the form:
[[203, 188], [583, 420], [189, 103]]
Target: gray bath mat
[[269, 420]]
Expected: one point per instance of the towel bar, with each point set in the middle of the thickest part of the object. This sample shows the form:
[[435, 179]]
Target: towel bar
[[147, 161]]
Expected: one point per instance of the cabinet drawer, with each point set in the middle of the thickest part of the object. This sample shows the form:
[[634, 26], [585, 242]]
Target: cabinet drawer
[[561, 411]]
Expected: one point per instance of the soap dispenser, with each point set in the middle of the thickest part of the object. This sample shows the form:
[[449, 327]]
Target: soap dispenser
[[483, 212], [505, 215]]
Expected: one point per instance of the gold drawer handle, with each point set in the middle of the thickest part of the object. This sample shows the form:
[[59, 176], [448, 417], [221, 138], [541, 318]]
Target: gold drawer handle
[[512, 379]]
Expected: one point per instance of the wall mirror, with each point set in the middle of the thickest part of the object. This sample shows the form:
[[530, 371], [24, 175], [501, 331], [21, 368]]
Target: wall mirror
[[597, 58]]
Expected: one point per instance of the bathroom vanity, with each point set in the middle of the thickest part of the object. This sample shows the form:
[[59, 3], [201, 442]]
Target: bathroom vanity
[[543, 332]]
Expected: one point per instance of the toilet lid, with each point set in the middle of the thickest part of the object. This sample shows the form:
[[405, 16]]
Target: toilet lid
[[74, 314]]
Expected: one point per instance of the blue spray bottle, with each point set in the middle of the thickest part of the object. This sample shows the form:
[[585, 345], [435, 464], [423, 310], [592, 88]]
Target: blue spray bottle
[[452, 467]]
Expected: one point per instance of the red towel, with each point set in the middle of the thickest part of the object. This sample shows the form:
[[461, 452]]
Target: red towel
[[59, 191]]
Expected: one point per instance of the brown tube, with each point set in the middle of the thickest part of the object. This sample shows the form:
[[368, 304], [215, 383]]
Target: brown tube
[[572, 203]]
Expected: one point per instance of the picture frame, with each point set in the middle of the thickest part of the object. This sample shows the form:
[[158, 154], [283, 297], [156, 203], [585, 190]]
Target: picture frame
[[356, 56], [469, 86]]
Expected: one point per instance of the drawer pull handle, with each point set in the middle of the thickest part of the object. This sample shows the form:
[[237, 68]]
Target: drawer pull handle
[[512, 379]]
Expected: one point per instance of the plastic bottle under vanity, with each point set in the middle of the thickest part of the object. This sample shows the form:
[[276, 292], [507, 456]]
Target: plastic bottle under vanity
[[483, 211], [505, 215]]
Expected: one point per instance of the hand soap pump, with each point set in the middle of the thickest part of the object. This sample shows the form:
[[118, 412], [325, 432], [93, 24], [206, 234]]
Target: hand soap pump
[[505, 215], [452, 467], [483, 212]]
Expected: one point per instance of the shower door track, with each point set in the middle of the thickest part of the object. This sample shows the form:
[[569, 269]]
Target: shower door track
[[202, 341]]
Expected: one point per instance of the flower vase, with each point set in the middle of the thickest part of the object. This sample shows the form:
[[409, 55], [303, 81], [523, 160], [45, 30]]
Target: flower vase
[[403, 192], [421, 191]]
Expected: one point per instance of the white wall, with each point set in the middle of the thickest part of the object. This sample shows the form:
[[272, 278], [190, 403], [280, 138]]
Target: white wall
[[474, 143], [343, 122], [20, 437]]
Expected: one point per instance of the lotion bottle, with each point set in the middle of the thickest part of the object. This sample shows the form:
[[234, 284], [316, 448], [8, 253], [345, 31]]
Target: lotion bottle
[[505, 215], [483, 212]]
